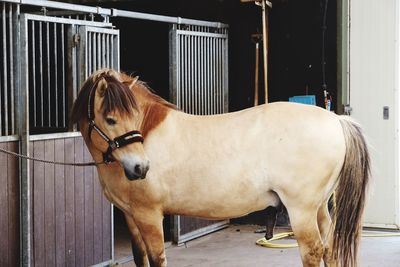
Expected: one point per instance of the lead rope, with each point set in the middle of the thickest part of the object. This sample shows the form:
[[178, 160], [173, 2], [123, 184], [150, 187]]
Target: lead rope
[[80, 164]]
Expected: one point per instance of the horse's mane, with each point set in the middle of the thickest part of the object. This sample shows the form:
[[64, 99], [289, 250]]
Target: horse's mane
[[117, 95]]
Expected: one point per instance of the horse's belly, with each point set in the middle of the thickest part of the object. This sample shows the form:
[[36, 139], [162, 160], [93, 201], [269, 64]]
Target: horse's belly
[[223, 202]]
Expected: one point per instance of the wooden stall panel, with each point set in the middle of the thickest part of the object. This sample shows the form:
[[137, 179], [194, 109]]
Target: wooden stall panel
[[71, 217], [9, 207]]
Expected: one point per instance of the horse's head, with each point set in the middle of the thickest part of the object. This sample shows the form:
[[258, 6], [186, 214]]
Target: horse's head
[[109, 119]]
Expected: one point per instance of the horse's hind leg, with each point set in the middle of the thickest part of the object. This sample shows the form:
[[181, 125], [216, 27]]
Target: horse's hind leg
[[305, 228], [324, 224], [138, 246], [271, 213]]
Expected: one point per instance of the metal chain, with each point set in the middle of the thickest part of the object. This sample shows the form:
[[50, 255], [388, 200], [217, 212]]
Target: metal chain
[[50, 161]]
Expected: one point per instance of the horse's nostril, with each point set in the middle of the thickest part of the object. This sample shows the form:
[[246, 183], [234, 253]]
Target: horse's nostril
[[141, 170], [138, 169]]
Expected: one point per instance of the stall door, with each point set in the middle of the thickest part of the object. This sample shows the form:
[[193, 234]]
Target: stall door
[[71, 218], [374, 73], [199, 85]]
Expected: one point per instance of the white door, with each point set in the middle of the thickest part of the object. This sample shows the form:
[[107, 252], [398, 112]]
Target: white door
[[373, 83]]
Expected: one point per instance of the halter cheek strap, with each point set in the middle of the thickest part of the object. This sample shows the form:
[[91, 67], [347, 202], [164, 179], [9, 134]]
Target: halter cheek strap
[[118, 142]]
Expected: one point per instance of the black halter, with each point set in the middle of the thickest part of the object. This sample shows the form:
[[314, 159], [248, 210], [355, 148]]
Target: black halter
[[118, 142]]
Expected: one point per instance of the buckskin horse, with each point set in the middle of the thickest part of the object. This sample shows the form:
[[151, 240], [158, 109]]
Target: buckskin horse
[[164, 161]]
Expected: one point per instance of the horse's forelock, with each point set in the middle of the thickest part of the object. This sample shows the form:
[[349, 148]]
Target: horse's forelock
[[117, 96]]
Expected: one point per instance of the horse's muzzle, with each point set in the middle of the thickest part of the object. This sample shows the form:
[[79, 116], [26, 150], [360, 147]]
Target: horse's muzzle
[[138, 171]]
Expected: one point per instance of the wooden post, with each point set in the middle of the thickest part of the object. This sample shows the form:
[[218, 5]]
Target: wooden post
[[264, 6]]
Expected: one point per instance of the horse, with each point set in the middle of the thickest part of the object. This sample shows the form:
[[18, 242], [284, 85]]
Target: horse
[[161, 161]]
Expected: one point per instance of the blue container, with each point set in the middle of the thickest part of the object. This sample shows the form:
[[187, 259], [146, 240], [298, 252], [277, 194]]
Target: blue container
[[304, 99]]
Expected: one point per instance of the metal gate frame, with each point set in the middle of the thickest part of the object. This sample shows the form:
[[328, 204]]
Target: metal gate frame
[[78, 56]]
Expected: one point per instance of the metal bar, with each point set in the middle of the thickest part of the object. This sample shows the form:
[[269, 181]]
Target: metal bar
[[173, 64], [110, 41], [167, 19], [98, 43], [12, 1], [88, 69], [207, 34], [112, 233], [41, 137], [17, 60], [103, 49], [208, 94], [55, 73], [195, 87], [178, 67], [203, 75], [41, 72], [186, 106], [94, 53], [226, 76], [206, 80], [107, 50], [23, 131], [48, 72], [200, 77], [76, 77], [83, 55], [220, 69], [68, 20], [117, 52], [9, 138], [192, 110], [186, 55], [33, 71], [70, 74], [213, 78], [5, 86], [66, 6], [217, 77], [12, 90], [112, 49], [63, 76]]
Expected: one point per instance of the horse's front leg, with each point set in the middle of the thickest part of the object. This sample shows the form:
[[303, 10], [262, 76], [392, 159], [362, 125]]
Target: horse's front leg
[[150, 224], [138, 246]]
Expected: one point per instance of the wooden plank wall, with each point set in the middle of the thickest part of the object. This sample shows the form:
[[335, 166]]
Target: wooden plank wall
[[71, 217], [9, 206]]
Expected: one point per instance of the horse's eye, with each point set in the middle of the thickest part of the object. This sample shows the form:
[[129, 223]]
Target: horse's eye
[[110, 121]]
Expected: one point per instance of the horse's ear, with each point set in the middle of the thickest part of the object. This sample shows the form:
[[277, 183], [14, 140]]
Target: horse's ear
[[101, 86], [133, 82]]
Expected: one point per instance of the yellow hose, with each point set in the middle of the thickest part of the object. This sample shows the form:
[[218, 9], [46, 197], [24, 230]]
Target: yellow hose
[[268, 243]]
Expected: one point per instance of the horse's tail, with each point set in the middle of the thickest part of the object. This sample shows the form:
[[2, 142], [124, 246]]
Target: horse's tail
[[350, 195]]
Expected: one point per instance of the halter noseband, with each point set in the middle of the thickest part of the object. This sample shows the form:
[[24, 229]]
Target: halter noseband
[[118, 142]]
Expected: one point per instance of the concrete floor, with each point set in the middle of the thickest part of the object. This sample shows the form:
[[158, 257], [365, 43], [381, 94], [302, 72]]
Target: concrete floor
[[235, 247]]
